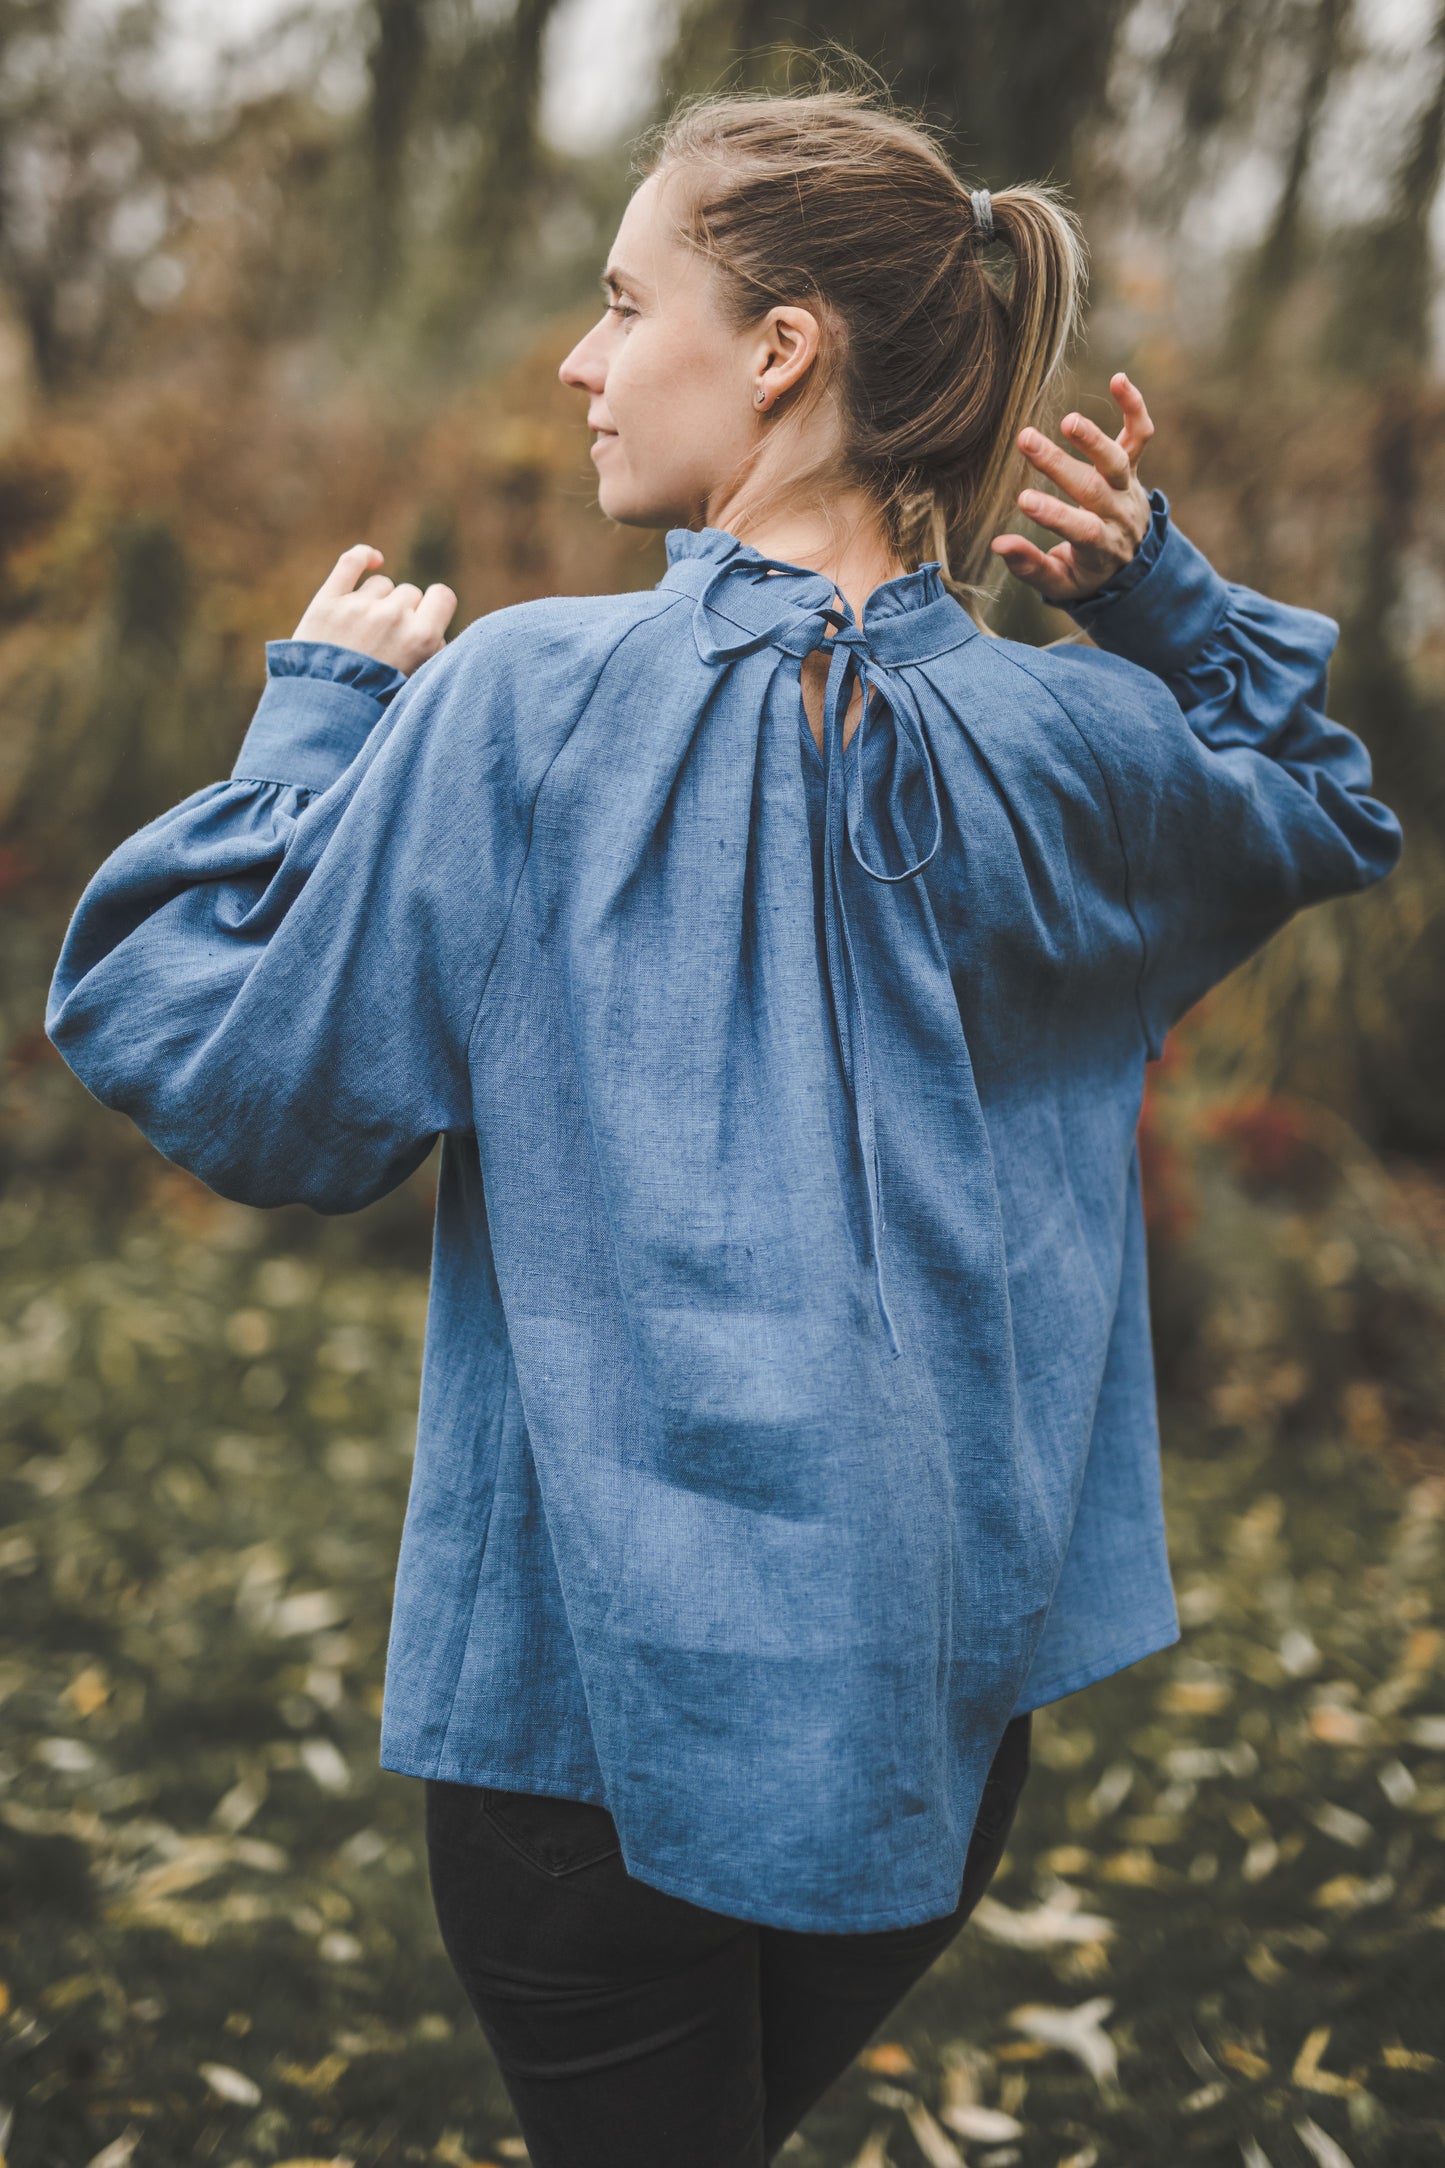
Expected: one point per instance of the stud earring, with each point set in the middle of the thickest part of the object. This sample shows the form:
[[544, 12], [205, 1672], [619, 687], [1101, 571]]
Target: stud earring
[[760, 397]]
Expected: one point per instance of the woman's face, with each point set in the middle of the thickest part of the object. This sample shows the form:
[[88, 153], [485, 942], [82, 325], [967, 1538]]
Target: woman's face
[[670, 381]]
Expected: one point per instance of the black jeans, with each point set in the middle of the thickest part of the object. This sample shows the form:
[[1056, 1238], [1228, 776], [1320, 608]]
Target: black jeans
[[635, 2030]]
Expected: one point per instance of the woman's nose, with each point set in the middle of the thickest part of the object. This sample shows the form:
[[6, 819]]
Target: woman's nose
[[581, 370]]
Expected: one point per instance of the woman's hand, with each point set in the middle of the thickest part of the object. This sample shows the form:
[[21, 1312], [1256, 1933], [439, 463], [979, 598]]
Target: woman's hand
[[1110, 516], [399, 625]]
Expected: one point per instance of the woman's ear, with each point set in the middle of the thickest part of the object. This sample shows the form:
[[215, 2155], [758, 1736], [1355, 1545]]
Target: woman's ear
[[786, 349]]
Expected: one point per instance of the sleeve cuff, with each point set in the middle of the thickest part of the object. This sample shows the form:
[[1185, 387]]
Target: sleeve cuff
[[320, 705], [1161, 607]]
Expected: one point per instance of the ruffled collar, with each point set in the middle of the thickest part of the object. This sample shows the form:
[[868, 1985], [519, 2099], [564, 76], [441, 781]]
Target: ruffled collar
[[907, 619]]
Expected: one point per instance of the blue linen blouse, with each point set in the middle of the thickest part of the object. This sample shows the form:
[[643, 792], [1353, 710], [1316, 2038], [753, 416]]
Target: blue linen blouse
[[787, 1417]]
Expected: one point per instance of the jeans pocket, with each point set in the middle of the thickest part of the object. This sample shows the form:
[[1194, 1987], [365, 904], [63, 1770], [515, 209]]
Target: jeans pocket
[[559, 1836]]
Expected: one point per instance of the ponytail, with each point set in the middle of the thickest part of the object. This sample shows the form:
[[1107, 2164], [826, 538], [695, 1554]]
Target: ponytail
[[1041, 298]]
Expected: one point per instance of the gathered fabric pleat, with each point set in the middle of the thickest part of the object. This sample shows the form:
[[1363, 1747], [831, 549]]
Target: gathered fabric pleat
[[845, 822]]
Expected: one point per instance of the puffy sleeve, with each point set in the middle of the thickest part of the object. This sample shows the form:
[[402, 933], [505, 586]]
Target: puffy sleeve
[[277, 979], [1238, 801]]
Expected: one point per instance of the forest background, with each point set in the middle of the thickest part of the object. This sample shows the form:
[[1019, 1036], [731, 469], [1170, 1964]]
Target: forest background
[[269, 292]]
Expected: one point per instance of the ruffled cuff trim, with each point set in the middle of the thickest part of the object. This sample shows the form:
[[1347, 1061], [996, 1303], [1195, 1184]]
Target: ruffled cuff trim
[[1160, 608], [335, 665], [320, 705], [1144, 559]]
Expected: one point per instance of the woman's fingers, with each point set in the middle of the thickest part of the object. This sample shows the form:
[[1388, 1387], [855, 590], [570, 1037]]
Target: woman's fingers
[[434, 612], [1079, 477], [1138, 428], [348, 568], [1106, 453], [1048, 573], [1074, 523], [1103, 528], [393, 621]]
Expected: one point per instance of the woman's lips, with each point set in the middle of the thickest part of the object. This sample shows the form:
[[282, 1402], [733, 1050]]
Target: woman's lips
[[601, 437]]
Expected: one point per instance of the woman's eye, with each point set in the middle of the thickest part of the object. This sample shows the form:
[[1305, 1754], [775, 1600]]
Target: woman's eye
[[620, 308]]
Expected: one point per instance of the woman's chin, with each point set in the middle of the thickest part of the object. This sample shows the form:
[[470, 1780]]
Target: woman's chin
[[622, 501], [630, 507]]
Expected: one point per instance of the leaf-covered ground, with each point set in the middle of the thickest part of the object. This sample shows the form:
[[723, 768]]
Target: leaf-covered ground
[[1219, 1935]]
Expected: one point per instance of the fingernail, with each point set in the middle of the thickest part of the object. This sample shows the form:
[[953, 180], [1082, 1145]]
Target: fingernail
[[1071, 423]]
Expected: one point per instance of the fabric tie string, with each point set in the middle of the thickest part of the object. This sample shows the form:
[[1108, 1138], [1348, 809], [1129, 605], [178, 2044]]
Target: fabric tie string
[[845, 820]]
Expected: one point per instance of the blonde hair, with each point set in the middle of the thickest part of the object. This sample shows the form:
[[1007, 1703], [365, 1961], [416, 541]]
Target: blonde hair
[[941, 351]]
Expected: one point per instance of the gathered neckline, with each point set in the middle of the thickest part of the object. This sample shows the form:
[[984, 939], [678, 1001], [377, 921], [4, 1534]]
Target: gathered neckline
[[906, 591]]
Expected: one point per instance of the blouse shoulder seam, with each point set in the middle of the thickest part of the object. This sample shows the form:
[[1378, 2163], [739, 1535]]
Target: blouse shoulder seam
[[627, 631], [1103, 774]]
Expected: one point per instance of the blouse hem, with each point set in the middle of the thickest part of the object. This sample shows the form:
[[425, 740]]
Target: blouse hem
[[692, 1892], [1103, 1667]]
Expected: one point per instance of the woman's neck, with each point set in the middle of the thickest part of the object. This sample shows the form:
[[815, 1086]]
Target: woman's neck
[[844, 540]]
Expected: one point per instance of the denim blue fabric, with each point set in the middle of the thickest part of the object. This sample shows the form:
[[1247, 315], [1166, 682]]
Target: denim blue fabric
[[787, 1419]]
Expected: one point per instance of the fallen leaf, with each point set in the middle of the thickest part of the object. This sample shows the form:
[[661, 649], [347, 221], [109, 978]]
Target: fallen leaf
[[1319, 2143], [1401, 2058], [325, 1765], [117, 2154], [1396, 1782], [989, 2126], [310, 1613], [1067, 1859], [1205, 2096], [1298, 1653], [1341, 1823], [232, 2085], [242, 1802], [932, 2141], [338, 1948], [1335, 1726], [1046, 1927], [314, 2077], [1134, 1868], [1351, 1892], [1112, 1789], [68, 1757], [1196, 1697], [889, 2059], [88, 1691], [1307, 2073], [1078, 2032]]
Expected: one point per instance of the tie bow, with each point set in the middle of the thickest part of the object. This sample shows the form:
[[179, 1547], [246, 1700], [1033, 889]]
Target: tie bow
[[810, 618]]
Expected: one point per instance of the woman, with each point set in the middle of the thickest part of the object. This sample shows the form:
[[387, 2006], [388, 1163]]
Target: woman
[[778, 959]]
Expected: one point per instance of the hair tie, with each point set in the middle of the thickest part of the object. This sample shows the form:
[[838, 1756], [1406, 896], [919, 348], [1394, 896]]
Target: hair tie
[[982, 203]]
